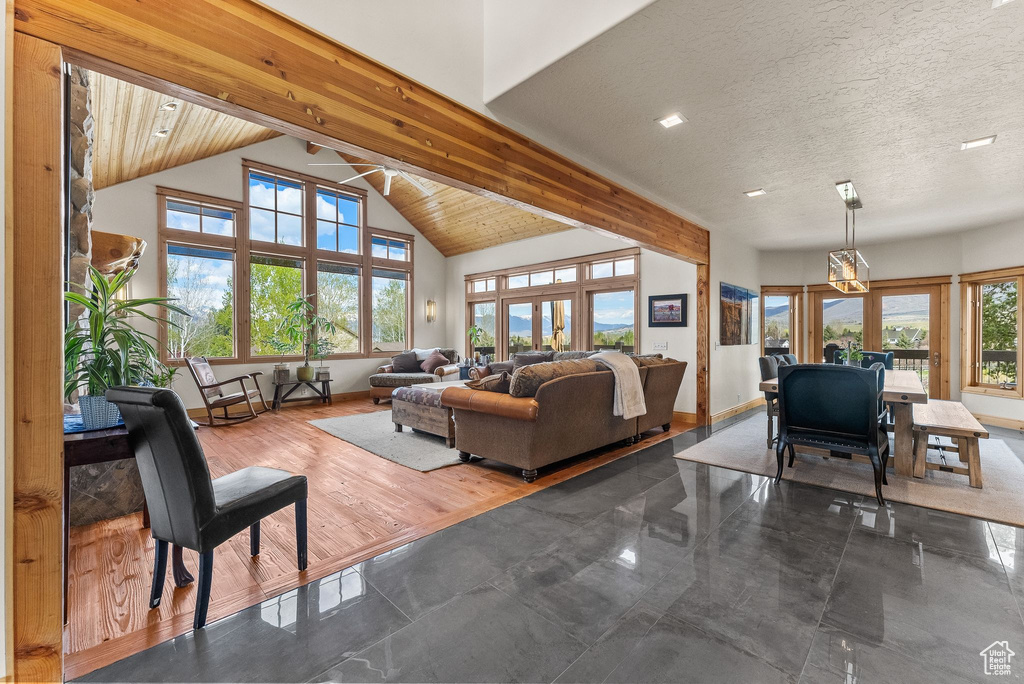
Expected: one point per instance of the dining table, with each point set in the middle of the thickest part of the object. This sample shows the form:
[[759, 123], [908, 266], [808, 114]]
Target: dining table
[[902, 389]]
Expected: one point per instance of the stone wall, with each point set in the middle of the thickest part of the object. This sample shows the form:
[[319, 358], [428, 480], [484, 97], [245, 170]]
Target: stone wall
[[82, 194]]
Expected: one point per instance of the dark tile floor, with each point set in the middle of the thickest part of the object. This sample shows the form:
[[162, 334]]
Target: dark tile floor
[[648, 569]]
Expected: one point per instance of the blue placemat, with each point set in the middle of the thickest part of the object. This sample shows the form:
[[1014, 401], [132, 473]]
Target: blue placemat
[[73, 423]]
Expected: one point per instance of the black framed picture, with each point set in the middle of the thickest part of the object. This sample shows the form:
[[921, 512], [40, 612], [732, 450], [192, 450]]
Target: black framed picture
[[666, 311]]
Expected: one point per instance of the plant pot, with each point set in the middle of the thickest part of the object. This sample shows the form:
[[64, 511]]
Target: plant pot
[[323, 373], [305, 373], [98, 413]]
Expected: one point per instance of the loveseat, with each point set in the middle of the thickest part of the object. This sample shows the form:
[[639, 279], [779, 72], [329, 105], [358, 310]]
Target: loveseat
[[568, 415], [386, 380]]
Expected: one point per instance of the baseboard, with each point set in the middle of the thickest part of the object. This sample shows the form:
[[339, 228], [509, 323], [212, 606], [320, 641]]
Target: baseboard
[[685, 416], [242, 409], [736, 410], [1012, 423]]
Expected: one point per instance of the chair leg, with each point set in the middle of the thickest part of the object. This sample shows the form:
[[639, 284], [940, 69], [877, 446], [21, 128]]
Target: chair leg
[[780, 452], [876, 465], [262, 400], [203, 587], [159, 572], [254, 539], [792, 455], [300, 533], [771, 430]]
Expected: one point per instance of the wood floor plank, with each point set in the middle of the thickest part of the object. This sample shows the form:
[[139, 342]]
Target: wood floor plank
[[360, 506]]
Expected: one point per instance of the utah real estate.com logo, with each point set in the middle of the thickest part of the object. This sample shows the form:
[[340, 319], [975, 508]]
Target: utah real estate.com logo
[[997, 658]]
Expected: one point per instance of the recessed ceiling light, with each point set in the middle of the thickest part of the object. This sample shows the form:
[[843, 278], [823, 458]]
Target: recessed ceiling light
[[1000, 3], [980, 142], [162, 133], [168, 106], [756, 193], [672, 120]]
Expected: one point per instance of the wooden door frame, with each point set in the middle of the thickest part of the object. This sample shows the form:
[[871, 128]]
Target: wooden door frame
[[938, 287], [796, 316], [297, 81]]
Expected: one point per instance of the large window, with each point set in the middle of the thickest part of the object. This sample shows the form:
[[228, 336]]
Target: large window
[[782, 319], [300, 237], [585, 303], [991, 345]]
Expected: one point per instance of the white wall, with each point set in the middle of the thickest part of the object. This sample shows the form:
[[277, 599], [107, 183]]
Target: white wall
[[999, 246], [436, 42], [659, 274], [131, 208], [523, 37], [733, 368]]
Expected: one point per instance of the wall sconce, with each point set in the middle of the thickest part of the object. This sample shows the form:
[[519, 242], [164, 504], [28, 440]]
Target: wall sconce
[[431, 311]]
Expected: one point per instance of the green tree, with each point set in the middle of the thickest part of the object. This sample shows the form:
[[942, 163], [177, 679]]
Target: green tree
[[273, 287], [904, 341], [389, 311], [999, 329], [829, 334]]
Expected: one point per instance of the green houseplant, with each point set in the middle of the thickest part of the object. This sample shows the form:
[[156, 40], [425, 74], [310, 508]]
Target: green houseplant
[[475, 333], [106, 350], [302, 326], [853, 355]]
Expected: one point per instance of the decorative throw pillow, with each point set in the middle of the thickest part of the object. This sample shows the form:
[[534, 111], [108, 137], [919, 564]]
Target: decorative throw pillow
[[526, 380], [433, 362], [529, 358], [405, 363], [492, 383], [422, 354]]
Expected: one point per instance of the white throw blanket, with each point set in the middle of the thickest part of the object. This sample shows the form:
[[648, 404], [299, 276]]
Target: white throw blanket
[[629, 393]]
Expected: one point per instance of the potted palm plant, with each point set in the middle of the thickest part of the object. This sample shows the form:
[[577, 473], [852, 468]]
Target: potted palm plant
[[302, 326], [106, 349]]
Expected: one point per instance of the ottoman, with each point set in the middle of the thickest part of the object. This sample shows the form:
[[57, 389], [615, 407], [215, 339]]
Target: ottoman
[[419, 407]]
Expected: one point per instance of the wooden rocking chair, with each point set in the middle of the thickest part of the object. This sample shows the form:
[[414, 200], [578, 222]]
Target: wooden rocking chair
[[215, 398]]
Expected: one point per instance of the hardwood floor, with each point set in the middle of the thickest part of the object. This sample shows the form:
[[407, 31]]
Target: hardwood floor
[[360, 505]]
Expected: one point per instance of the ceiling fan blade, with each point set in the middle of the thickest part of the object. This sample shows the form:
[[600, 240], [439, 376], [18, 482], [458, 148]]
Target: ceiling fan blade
[[419, 186], [387, 184], [365, 173]]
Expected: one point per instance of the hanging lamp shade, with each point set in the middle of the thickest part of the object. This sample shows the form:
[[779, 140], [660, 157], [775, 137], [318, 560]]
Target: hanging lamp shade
[[848, 271]]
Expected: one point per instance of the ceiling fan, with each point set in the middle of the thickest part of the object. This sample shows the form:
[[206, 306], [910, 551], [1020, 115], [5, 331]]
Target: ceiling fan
[[389, 174]]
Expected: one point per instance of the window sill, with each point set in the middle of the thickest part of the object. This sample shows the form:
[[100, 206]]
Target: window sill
[[992, 392]]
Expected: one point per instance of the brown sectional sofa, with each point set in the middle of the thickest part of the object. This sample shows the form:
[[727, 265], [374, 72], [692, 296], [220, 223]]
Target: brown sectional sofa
[[569, 415]]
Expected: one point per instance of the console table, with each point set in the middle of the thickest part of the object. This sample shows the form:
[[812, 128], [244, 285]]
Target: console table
[[281, 396]]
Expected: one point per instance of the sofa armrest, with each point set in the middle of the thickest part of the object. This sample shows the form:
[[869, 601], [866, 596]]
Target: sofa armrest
[[493, 403], [479, 372], [389, 368], [449, 369]]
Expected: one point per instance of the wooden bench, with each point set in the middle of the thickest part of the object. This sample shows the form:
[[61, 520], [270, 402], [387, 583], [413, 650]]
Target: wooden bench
[[948, 419]]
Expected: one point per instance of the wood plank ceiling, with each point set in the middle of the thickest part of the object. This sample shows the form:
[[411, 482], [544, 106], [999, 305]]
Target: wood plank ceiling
[[126, 116], [453, 220]]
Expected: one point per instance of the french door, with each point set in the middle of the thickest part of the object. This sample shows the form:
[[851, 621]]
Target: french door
[[909, 319], [540, 323]]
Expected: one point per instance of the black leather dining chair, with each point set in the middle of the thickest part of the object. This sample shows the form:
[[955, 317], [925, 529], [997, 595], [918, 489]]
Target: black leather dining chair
[[787, 358], [838, 408], [186, 506]]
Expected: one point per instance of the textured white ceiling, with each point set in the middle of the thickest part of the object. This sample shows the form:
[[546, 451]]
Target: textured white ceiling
[[792, 96]]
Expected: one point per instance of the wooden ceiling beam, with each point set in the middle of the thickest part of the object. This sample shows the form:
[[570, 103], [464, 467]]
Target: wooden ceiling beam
[[244, 59]]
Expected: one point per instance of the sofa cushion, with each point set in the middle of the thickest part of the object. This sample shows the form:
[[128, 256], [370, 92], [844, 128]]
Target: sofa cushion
[[499, 367], [526, 380], [529, 358], [572, 355], [406, 363], [433, 362], [492, 383], [400, 379]]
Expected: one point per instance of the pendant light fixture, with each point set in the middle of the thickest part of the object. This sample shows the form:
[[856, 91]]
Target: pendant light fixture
[[847, 270]]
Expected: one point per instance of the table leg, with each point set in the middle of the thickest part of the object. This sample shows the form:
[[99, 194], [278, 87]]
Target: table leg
[[275, 404], [327, 392], [904, 437], [182, 577]]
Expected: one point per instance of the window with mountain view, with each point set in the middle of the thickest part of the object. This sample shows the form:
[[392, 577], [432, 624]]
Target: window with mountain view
[[842, 321], [612, 324], [777, 321]]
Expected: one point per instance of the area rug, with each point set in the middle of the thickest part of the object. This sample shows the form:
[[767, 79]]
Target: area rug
[[375, 433], [742, 447]]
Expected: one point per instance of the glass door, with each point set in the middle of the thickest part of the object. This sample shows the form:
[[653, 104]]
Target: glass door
[[519, 320], [842, 323], [556, 323], [909, 320]]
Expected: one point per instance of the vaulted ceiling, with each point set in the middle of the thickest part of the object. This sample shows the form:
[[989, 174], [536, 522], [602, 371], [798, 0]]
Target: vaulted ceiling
[[126, 118], [456, 221]]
